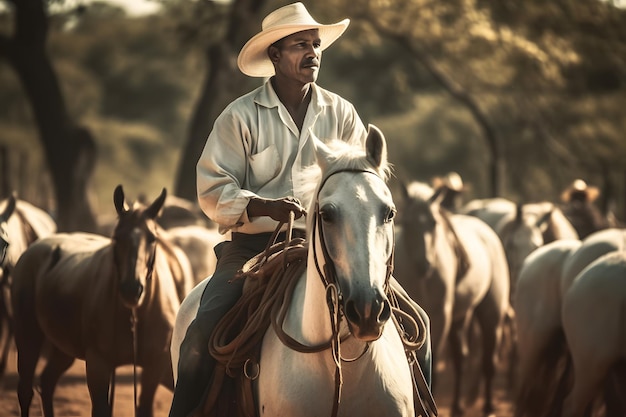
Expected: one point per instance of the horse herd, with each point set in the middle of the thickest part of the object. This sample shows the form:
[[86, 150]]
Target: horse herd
[[502, 283]]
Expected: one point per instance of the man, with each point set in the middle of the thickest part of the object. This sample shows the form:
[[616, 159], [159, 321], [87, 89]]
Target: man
[[251, 162]]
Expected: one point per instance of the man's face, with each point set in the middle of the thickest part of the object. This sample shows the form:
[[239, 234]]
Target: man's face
[[298, 57]]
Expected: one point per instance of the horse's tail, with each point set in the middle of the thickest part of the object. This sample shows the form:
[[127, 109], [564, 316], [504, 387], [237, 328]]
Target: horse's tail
[[544, 379]]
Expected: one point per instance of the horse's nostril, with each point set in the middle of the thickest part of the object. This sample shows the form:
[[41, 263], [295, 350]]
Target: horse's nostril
[[351, 312], [385, 312], [131, 290]]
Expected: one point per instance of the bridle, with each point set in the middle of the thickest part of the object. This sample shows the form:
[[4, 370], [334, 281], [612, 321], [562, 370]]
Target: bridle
[[133, 327], [333, 294], [329, 275]]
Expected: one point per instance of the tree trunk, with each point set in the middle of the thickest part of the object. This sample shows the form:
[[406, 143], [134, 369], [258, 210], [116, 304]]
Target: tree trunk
[[223, 83], [69, 149]]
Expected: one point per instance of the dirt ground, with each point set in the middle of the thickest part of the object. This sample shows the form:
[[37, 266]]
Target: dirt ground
[[72, 397]]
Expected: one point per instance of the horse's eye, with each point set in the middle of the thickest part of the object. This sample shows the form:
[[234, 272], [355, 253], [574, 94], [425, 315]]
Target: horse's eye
[[328, 214], [391, 214]]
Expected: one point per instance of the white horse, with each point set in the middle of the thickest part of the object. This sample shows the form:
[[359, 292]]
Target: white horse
[[593, 321], [351, 243], [545, 278], [456, 290], [540, 344]]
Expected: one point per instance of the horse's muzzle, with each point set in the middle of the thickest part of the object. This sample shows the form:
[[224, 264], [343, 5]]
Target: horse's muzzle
[[367, 319], [131, 292]]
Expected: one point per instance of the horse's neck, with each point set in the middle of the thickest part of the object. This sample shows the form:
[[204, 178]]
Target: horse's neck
[[163, 292], [309, 318]]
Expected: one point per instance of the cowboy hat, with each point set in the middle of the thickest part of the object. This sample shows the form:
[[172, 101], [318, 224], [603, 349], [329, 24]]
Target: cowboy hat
[[452, 180], [287, 20], [579, 186]]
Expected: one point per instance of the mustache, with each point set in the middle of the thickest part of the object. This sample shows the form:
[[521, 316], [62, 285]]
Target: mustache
[[311, 62]]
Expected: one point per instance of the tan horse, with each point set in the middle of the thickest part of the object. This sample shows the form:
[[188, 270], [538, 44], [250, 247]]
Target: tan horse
[[21, 223], [198, 242], [77, 293], [428, 264]]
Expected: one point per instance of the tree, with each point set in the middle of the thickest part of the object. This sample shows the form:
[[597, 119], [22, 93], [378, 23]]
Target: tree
[[234, 24], [69, 148]]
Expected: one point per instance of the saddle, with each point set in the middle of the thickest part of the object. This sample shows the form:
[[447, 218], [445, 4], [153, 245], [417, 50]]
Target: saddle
[[271, 277]]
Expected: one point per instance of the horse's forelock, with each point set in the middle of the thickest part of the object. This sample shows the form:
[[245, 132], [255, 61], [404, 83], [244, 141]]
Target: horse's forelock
[[347, 156], [344, 156]]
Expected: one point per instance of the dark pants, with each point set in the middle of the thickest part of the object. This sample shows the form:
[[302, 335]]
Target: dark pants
[[195, 364]]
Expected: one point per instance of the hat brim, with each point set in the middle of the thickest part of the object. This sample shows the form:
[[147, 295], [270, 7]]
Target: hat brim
[[253, 60], [592, 192]]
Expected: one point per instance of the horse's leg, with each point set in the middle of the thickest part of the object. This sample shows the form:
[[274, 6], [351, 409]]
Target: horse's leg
[[491, 329], [509, 348], [615, 391], [56, 365], [28, 340], [458, 351], [151, 377], [589, 376], [99, 373], [6, 327]]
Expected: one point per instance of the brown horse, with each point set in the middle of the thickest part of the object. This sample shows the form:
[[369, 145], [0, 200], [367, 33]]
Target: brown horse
[[108, 301], [21, 223]]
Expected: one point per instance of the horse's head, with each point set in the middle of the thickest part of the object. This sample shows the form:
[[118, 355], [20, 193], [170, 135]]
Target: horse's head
[[353, 231], [134, 246], [9, 208], [520, 236], [420, 216]]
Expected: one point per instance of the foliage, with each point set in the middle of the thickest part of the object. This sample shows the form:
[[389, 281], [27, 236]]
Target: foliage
[[129, 81], [548, 77]]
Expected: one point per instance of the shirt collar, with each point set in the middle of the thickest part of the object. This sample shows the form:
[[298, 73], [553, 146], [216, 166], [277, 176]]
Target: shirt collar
[[267, 97]]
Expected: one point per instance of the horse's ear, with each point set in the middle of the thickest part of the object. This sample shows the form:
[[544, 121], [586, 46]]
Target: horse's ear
[[153, 210], [119, 200], [436, 198], [519, 213], [322, 152], [9, 209], [375, 146], [543, 222]]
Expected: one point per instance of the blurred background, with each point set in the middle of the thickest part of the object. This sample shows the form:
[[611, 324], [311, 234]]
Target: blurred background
[[520, 97]]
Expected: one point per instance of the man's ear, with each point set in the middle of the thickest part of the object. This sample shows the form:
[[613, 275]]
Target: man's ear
[[273, 53]]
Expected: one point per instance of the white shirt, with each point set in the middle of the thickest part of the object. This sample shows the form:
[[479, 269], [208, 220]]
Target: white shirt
[[256, 150]]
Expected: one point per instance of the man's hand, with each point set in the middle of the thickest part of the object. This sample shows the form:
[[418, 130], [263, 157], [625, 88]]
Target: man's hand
[[278, 209]]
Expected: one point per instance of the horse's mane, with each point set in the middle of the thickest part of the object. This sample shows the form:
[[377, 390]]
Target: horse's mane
[[345, 156]]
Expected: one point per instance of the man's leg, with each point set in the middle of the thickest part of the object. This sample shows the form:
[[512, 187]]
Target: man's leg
[[195, 364]]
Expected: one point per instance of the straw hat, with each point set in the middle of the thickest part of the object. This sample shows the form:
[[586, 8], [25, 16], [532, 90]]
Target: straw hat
[[287, 20], [452, 180], [580, 187]]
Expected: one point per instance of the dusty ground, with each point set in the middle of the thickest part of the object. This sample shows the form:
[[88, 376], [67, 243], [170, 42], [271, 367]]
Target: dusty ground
[[72, 397]]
